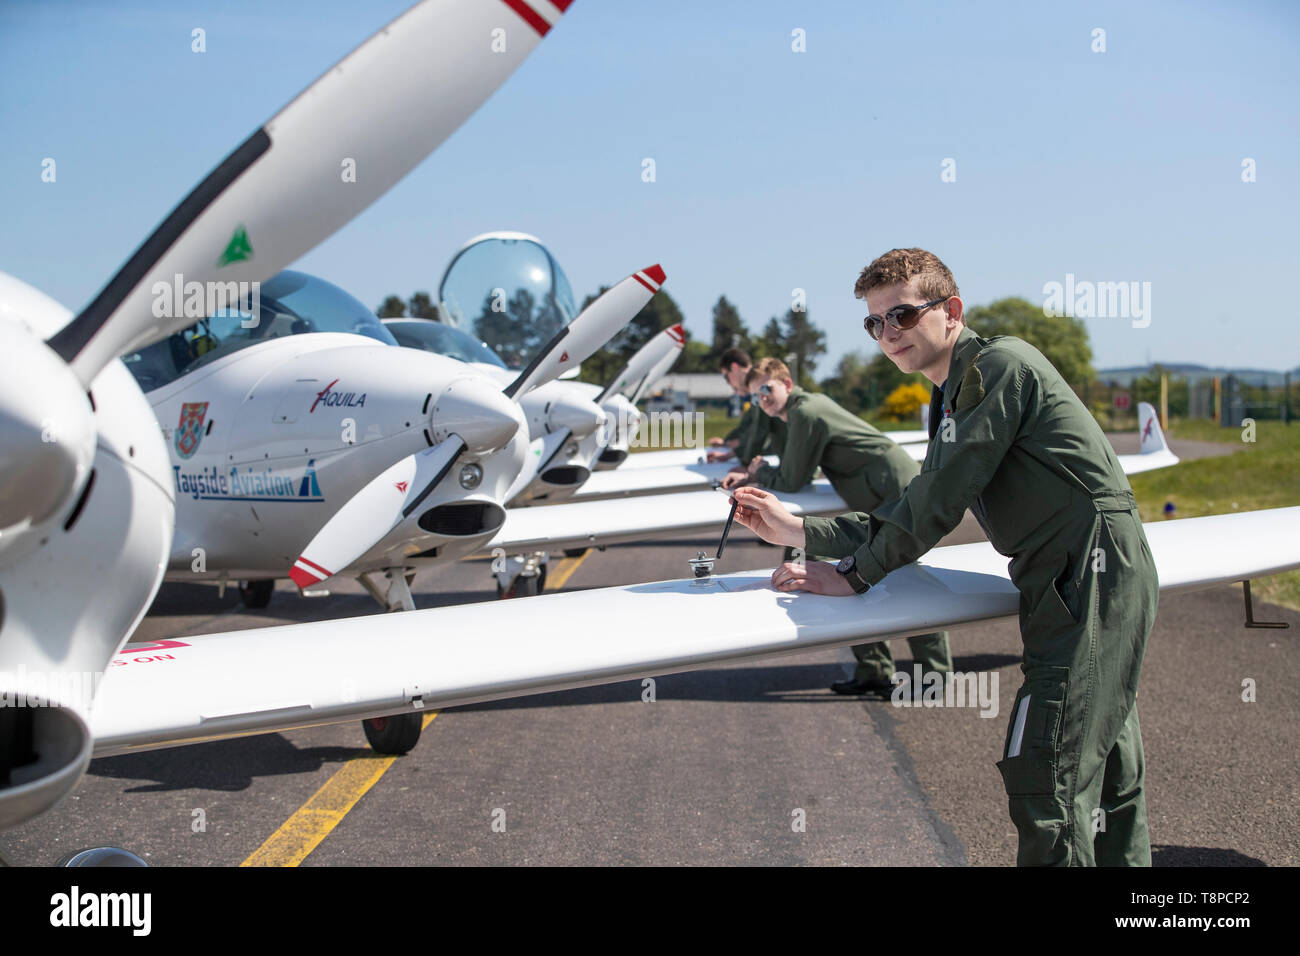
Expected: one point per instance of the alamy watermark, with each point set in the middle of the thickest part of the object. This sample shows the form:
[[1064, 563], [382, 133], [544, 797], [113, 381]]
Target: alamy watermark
[[655, 429], [38, 688], [951, 689], [198, 300], [1099, 300]]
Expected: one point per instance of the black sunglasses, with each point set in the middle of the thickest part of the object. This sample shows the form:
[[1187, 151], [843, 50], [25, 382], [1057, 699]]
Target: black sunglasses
[[900, 317]]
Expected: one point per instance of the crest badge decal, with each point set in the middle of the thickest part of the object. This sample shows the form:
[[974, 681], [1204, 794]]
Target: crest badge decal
[[189, 430]]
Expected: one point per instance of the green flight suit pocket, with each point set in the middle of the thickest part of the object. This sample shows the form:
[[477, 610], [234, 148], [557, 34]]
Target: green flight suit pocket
[[1053, 610], [1033, 743]]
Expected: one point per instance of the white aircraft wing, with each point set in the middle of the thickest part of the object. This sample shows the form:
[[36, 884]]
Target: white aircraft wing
[[622, 483], [668, 458], [684, 469], [672, 457], [615, 520], [909, 437], [271, 679]]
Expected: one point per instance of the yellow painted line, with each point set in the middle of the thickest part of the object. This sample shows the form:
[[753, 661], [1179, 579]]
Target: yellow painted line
[[564, 570], [298, 836]]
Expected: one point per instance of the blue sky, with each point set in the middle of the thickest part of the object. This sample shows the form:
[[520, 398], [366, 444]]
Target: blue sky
[[775, 170]]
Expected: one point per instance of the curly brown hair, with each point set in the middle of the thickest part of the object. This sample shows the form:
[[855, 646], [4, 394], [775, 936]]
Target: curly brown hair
[[934, 280], [768, 368]]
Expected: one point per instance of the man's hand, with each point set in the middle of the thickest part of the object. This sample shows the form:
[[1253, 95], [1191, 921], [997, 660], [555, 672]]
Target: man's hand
[[716, 456], [755, 463], [763, 514], [735, 478], [815, 577], [715, 442]]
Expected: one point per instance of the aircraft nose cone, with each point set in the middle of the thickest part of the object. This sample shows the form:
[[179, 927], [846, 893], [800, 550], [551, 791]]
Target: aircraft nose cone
[[47, 429], [581, 416], [623, 419], [477, 411]]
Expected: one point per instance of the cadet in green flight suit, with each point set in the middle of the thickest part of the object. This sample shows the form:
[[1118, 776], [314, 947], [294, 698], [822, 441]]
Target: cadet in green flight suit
[[1018, 448], [756, 433], [864, 467]]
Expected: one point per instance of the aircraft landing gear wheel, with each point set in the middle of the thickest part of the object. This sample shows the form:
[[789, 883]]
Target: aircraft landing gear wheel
[[102, 856], [256, 594], [523, 587], [393, 735]]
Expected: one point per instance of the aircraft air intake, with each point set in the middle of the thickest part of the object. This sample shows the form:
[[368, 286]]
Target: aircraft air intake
[[464, 519], [45, 746]]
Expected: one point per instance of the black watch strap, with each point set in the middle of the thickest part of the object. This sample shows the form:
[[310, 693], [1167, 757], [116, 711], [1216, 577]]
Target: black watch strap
[[849, 568]]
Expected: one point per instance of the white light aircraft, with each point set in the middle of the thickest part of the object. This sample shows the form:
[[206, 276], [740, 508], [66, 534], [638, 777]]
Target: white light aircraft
[[87, 504], [307, 445]]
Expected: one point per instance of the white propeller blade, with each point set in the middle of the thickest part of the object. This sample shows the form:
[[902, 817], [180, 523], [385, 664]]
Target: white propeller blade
[[320, 161], [373, 512], [594, 326], [639, 372], [659, 370]]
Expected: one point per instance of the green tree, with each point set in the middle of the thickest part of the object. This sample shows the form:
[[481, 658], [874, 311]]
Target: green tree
[[729, 330], [805, 341], [696, 357], [392, 308], [771, 344], [421, 306], [513, 332], [1062, 339], [862, 384]]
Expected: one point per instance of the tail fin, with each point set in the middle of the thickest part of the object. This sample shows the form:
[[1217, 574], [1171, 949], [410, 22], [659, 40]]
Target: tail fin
[[1150, 437]]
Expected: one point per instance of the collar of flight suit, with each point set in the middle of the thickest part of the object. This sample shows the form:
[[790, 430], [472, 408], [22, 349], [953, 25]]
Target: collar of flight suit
[[967, 346], [797, 395]]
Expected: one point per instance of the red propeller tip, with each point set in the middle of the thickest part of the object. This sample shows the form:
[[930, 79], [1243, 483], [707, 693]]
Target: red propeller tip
[[656, 272]]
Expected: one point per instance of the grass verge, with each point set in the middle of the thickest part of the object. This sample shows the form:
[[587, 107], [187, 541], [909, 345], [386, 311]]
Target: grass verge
[[1265, 473]]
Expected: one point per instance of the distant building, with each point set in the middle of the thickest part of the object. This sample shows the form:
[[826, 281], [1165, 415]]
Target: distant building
[[699, 388]]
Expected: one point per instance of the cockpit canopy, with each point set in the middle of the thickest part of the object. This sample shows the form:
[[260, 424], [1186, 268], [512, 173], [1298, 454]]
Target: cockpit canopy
[[291, 303], [441, 339], [507, 290]]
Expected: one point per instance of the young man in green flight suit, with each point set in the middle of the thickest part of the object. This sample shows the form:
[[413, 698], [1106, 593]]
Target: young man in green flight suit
[[755, 431], [1016, 446], [866, 469]]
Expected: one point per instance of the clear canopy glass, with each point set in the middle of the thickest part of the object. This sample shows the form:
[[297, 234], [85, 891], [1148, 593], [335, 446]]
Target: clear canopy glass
[[508, 292], [441, 339], [291, 303]]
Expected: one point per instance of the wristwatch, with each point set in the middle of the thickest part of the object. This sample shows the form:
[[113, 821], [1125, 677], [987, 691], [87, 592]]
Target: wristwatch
[[849, 568]]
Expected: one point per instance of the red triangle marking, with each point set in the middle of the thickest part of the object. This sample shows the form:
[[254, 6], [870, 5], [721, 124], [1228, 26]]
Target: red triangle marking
[[401, 486]]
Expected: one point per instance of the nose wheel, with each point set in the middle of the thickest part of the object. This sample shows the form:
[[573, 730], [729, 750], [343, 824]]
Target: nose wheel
[[256, 594], [523, 576]]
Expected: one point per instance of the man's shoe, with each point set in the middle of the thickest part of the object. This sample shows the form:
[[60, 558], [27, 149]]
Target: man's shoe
[[852, 686]]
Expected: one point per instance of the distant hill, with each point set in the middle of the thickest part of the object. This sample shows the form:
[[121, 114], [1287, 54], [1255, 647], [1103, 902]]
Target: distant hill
[[1192, 372]]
